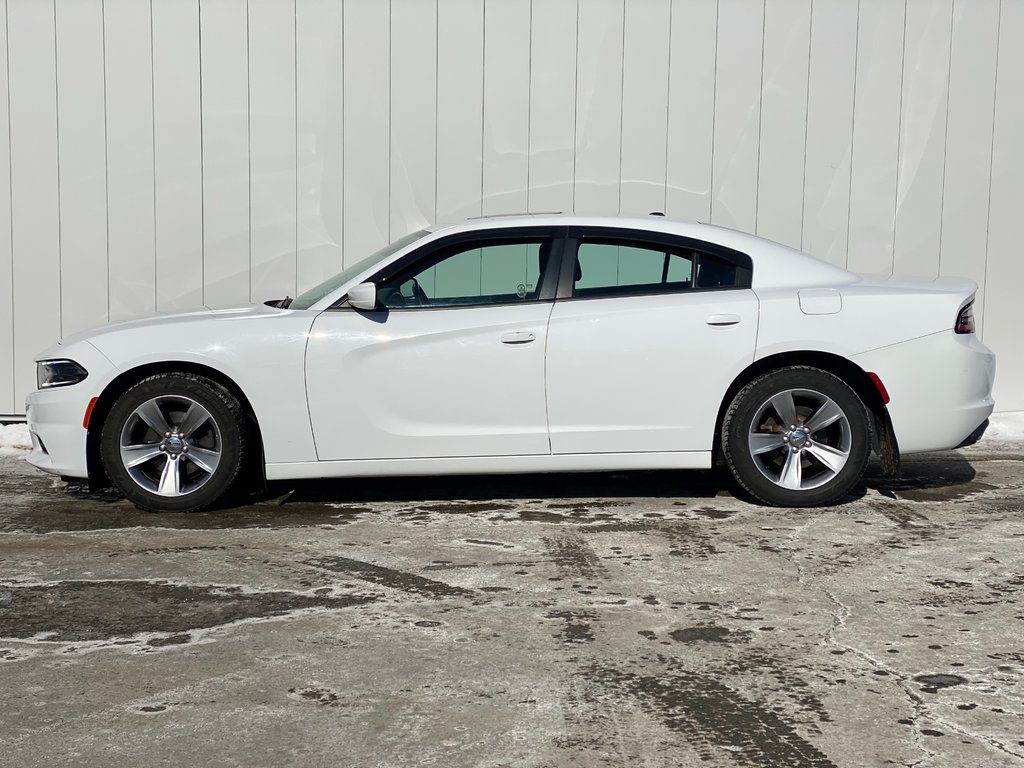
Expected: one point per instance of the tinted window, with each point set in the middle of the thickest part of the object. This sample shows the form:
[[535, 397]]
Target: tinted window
[[471, 274], [607, 268], [612, 268], [714, 272]]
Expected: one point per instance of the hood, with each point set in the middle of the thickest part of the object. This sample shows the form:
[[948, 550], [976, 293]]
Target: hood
[[157, 320]]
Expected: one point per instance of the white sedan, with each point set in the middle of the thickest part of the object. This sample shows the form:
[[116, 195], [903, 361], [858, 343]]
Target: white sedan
[[528, 344]]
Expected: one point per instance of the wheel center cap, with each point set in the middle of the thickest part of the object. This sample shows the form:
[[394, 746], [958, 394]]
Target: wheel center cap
[[799, 438], [173, 445]]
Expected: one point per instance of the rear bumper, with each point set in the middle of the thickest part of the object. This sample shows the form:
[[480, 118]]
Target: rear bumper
[[940, 388], [975, 436]]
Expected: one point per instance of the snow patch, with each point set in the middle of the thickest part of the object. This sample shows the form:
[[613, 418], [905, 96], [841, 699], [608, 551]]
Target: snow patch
[[1005, 427], [14, 440]]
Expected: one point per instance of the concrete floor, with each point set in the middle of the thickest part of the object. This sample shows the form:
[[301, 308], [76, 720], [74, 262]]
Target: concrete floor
[[635, 620]]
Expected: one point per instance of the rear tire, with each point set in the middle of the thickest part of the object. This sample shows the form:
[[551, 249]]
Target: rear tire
[[797, 437], [174, 442]]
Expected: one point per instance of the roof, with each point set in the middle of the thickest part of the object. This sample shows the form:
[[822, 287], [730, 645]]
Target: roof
[[775, 265]]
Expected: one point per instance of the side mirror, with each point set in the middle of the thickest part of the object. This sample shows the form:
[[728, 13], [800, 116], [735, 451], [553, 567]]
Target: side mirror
[[363, 296]]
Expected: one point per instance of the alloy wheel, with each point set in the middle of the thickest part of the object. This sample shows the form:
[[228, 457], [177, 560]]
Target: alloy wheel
[[170, 446], [800, 439]]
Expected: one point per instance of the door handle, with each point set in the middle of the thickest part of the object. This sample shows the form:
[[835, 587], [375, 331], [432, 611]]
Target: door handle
[[722, 320], [518, 337]]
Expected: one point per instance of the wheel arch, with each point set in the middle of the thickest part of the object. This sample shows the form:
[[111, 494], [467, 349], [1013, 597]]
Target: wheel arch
[[117, 387], [883, 438]]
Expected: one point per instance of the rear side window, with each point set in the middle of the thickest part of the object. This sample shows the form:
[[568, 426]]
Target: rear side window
[[625, 268]]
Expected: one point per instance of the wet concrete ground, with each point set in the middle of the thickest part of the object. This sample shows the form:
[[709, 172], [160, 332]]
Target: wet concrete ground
[[635, 620]]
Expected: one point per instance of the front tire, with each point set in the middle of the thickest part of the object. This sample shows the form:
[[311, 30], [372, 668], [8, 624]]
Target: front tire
[[174, 442], [797, 437]]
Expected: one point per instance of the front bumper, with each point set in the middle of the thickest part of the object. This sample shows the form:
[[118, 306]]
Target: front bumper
[[58, 437], [55, 416]]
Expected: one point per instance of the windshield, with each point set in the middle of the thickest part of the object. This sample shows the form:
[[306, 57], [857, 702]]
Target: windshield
[[313, 295]]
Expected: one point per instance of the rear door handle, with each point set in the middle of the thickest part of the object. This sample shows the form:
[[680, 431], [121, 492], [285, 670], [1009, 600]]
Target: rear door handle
[[518, 337], [722, 320]]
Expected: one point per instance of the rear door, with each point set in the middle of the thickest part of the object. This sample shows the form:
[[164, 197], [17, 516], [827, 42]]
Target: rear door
[[647, 334]]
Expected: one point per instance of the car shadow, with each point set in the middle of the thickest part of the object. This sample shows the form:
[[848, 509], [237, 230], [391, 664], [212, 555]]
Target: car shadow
[[36, 507], [578, 485], [924, 477], [939, 476]]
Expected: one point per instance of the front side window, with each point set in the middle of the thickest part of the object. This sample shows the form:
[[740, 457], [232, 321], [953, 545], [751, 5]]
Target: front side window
[[471, 274], [620, 268]]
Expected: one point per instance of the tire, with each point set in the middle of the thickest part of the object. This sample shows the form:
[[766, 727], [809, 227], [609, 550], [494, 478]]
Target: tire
[[815, 464], [174, 442]]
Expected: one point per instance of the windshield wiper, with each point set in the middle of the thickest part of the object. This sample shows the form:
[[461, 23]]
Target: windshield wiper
[[280, 303]]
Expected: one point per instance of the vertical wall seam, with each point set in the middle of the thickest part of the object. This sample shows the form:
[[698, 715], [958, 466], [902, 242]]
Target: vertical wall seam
[[853, 133], [391, 71], [714, 118], [10, 184], [341, 236], [483, 100], [899, 145], [106, 149], [248, 135], [991, 164], [60, 220], [622, 99], [437, 47], [529, 111], [575, 106], [807, 120], [390, 130], [202, 161], [152, 124], [760, 116], [295, 125], [668, 105], [945, 137]]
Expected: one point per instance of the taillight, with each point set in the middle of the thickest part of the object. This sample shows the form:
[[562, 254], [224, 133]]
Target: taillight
[[965, 320], [882, 391]]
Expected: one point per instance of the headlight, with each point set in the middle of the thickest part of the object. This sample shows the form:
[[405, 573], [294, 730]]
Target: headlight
[[59, 373]]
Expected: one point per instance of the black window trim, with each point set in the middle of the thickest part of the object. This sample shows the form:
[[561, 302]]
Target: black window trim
[[428, 251], [643, 238]]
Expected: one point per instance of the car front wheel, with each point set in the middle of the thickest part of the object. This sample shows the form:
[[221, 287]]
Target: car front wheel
[[797, 437], [174, 442]]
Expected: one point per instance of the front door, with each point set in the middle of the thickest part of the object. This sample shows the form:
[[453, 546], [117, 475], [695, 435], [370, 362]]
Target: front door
[[451, 364]]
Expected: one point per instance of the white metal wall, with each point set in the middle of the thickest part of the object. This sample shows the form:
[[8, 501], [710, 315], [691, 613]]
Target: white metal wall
[[166, 154]]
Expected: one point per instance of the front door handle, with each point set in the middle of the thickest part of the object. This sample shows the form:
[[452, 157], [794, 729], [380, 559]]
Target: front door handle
[[518, 337], [722, 320]]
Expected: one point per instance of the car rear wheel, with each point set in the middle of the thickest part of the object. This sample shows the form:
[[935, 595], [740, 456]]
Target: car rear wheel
[[797, 437], [174, 442]]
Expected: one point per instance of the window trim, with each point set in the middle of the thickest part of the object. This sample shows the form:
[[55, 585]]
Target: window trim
[[645, 239], [428, 251]]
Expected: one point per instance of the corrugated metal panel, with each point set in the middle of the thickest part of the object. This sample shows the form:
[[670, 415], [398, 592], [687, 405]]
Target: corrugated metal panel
[[168, 154]]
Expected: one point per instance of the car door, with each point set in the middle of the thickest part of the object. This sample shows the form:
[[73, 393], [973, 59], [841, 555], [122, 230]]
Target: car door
[[646, 336], [450, 364]]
